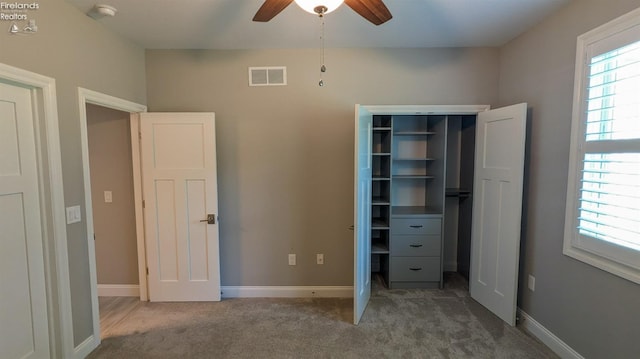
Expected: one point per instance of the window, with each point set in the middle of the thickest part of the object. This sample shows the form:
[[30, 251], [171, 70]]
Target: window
[[602, 223]]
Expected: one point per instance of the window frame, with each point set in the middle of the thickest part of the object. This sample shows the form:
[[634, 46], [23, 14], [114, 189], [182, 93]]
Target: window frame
[[609, 257]]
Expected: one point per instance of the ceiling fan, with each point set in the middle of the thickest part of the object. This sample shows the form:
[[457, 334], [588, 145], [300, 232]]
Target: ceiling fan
[[373, 10]]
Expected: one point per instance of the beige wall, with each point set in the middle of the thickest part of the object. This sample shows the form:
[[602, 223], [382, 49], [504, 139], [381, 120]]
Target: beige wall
[[285, 154], [76, 51], [596, 313], [114, 224]]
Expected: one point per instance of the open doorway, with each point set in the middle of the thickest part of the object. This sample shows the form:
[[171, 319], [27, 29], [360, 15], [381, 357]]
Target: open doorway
[[113, 202], [114, 218]]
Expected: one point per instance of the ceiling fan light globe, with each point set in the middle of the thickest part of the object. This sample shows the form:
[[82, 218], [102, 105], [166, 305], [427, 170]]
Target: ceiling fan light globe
[[310, 5]]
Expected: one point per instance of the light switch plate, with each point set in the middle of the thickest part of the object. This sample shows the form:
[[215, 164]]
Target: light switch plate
[[108, 197], [73, 214]]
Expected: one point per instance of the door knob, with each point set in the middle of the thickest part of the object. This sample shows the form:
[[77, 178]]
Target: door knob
[[211, 219]]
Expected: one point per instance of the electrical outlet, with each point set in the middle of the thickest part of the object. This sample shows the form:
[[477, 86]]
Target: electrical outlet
[[108, 197], [292, 259], [532, 283], [319, 258]]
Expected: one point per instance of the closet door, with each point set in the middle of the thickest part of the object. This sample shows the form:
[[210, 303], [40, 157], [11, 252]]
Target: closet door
[[362, 215], [497, 209]]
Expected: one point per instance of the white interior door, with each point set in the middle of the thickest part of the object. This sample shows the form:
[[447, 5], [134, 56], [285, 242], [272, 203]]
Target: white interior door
[[23, 308], [181, 206], [497, 209], [362, 215]]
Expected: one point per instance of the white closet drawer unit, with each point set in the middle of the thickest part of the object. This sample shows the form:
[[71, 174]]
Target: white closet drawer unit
[[416, 225], [415, 269], [416, 246]]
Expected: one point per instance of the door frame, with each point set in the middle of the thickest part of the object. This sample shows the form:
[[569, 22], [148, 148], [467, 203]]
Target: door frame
[[51, 195], [85, 97]]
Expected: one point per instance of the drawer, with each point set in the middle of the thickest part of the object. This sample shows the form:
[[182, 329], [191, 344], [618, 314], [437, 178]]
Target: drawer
[[416, 246], [417, 225], [415, 269]]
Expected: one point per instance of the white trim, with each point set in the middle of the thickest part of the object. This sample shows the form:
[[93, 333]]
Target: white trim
[[112, 102], [425, 109], [547, 337], [84, 97], [134, 122], [573, 246], [53, 211], [600, 262], [86, 347], [287, 291], [118, 290]]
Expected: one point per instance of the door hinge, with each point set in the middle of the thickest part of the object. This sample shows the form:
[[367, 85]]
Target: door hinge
[[139, 135], [147, 270], [143, 204]]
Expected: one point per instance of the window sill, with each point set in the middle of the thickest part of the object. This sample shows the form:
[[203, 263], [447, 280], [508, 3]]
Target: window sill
[[603, 263]]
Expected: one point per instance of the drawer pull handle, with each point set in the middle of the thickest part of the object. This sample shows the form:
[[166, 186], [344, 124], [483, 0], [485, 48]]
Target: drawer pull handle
[[416, 226], [415, 269], [415, 245]]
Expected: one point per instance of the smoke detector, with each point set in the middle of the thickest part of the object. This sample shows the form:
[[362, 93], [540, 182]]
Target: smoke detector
[[99, 11]]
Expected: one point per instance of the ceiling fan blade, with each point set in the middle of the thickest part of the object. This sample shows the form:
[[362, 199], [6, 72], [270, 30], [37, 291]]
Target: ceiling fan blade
[[373, 10], [270, 9]]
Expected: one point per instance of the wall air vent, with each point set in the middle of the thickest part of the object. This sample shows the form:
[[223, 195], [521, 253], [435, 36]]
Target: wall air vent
[[268, 76]]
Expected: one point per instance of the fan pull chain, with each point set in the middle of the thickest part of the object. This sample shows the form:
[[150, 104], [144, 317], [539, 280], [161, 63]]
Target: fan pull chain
[[323, 68]]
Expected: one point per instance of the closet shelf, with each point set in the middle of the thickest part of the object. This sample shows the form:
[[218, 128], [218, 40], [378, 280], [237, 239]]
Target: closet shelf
[[380, 201], [413, 133], [379, 248], [379, 223], [413, 177], [414, 159], [415, 210]]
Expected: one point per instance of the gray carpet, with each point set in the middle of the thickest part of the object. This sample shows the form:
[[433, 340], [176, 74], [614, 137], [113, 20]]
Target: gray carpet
[[397, 324]]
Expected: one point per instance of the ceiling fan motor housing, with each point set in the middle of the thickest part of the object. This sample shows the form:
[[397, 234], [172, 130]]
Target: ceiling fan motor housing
[[320, 9], [374, 11]]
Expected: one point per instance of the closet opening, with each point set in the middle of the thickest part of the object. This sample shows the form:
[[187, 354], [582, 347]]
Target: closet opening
[[422, 199]]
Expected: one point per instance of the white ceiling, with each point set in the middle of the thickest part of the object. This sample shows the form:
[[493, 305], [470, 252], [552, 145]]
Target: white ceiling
[[226, 24]]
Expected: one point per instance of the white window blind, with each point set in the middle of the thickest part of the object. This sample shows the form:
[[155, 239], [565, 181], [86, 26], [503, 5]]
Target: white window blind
[[610, 193], [614, 95], [610, 198], [602, 223]]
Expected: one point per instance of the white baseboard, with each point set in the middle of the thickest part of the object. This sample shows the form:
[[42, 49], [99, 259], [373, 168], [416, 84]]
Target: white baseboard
[[118, 290], [286, 292], [547, 337], [86, 347]]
